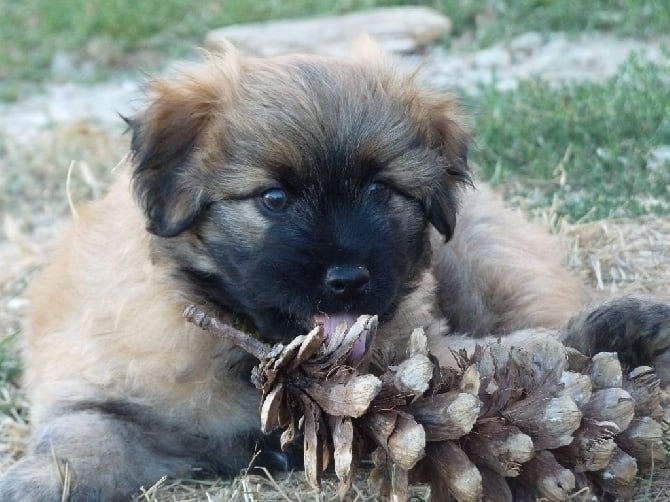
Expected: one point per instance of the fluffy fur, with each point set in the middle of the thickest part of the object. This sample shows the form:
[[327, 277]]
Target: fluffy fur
[[251, 183]]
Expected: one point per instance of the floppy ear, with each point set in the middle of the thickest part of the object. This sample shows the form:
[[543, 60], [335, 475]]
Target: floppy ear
[[441, 127], [164, 138], [443, 130]]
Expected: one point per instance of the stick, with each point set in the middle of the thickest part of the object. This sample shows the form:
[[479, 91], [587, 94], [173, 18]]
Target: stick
[[240, 339]]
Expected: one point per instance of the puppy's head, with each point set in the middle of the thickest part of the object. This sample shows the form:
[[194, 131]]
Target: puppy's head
[[289, 189]]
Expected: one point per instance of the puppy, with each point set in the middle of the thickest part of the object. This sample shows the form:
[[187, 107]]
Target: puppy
[[278, 192]]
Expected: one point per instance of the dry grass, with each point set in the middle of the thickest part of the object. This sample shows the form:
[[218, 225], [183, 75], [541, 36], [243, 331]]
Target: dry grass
[[619, 256], [33, 172], [260, 485], [623, 256]]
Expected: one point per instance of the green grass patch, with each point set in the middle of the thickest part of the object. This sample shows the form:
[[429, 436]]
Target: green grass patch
[[10, 371], [492, 20], [10, 366], [31, 32], [581, 147], [98, 36]]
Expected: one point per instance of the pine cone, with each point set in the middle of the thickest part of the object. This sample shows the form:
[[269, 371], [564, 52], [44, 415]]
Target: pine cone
[[508, 423]]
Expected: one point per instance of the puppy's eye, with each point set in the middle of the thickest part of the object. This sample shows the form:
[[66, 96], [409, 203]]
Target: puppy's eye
[[379, 191], [275, 200]]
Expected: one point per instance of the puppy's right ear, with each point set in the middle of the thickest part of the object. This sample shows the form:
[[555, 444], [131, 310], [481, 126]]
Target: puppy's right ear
[[441, 128], [167, 183]]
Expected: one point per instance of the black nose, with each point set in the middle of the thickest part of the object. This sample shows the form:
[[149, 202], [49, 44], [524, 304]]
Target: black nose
[[347, 280]]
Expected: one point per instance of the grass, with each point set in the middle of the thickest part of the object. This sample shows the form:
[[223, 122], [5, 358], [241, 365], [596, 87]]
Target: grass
[[582, 147], [495, 20], [10, 367], [10, 370], [33, 176], [87, 33], [83, 40]]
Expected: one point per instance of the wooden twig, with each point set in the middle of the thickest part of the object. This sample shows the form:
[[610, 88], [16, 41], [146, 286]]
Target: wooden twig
[[240, 339]]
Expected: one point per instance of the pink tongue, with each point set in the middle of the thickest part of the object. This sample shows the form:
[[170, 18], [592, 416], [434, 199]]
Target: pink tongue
[[332, 321]]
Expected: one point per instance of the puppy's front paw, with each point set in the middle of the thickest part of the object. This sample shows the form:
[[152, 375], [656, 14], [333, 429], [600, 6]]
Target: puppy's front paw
[[33, 479], [43, 478], [637, 328]]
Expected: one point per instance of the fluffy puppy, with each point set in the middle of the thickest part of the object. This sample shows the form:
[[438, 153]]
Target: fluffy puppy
[[279, 192]]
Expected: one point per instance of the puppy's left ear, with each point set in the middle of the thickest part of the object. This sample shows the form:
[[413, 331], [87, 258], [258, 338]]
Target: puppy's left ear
[[443, 130], [163, 140], [441, 127], [165, 136]]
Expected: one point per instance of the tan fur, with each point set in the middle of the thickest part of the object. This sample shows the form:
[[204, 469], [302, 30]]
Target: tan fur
[[512, 271], [105, 317], [105, 322]]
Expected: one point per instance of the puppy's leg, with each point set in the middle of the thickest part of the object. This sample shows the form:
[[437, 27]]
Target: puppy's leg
[[500, 273], [105, 454], [88, 456], [638, 328]]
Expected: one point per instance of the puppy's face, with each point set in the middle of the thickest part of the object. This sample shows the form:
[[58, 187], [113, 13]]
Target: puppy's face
[[297, 189]]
